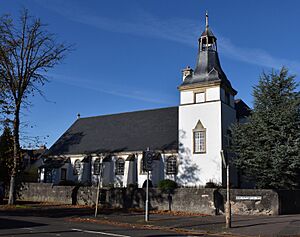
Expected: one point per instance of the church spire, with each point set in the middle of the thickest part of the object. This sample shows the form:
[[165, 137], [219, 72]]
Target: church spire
[[207, 40], [208, 68]]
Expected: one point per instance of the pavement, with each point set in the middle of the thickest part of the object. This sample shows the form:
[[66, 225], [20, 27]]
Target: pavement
[[284, 225], [58, 220]]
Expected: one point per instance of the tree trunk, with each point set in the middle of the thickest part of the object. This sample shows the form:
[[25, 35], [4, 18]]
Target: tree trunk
[[15, 169]]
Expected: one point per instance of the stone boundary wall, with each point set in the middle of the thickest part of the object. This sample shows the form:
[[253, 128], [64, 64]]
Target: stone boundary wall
[[200, 200], [289, 201]]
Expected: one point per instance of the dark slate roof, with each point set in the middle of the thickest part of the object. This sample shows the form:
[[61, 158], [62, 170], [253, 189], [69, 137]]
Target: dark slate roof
[[54, 163], [242, 109], [34, 154], [132, 131], [208, 69]]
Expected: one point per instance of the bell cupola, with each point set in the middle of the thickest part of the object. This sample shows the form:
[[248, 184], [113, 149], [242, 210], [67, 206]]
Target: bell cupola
[[207, 40]]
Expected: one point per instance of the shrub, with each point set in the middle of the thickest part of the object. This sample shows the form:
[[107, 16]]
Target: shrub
[[132, 186], [212, 184], [167, 186]]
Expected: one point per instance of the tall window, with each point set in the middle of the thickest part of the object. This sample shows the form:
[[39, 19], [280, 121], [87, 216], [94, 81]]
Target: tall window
[[199, 138], [48, 176], [142, 170], [97, 166], [120, 165], [171, 166], [63, 174], [77, 167]]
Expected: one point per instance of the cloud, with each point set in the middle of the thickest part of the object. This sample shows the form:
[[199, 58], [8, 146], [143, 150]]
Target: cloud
[[183, 31], [256, 56], [131, 93]]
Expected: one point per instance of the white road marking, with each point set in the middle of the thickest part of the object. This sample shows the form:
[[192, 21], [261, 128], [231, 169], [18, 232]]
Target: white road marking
[[99, 232], [27, 228]]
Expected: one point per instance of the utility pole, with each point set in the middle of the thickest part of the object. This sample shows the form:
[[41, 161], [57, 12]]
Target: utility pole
[[228, 204]]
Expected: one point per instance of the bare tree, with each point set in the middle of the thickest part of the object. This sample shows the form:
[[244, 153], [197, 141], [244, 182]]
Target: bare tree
[[27, 52]]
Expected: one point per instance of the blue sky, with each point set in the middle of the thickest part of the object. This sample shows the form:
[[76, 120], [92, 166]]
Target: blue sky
[[129, 54]]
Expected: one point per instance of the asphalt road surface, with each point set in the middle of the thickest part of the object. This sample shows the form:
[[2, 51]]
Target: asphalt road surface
[[46, 226]]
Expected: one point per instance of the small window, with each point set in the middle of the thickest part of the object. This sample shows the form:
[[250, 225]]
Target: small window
[[97, 166], [200, 97], [120, 165], [48, 176], [77, 167], [171, 166], [199, 133], [63, 174]]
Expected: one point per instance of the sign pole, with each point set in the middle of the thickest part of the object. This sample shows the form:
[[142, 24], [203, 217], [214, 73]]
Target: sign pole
[[147, 198], [148, 157], [98, 190], [97, 198], [228, 205]]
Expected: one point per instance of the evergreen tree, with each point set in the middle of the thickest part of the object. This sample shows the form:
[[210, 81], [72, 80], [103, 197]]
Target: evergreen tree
[[268, 145], [6, 155]]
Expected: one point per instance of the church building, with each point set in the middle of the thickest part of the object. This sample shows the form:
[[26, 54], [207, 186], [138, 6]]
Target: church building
[[187, 139]]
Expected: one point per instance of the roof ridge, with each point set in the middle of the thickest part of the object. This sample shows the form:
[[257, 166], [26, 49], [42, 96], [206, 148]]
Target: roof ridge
[[128, 112]]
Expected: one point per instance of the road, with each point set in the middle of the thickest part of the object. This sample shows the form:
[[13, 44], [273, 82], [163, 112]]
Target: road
[[54, 220], [20, 226]]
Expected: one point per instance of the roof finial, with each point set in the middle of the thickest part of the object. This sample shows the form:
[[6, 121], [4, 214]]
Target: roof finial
[[206, 19]]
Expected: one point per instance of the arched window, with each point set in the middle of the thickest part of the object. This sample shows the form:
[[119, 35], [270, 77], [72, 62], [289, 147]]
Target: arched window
[[120, 164], [171, 165], [97, 166], [77, 167], [142, 170], [199, 138]]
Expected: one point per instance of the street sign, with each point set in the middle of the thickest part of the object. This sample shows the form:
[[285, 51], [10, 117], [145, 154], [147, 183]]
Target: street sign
[[148, 157], [148, 160]]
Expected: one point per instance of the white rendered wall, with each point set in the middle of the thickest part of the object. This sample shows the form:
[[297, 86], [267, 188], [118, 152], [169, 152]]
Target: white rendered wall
[[198, 169], [186, 97], [213, 94]]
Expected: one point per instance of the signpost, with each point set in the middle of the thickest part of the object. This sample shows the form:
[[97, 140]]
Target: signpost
[[98, 189], [147, 163], [228, 205]]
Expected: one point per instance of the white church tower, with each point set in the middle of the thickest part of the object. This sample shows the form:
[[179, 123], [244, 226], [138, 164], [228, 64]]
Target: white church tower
[[206, 112]]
